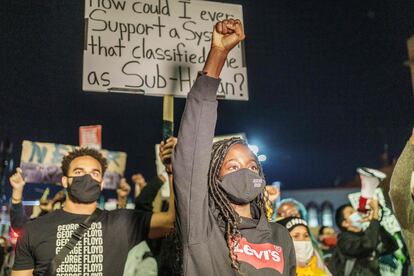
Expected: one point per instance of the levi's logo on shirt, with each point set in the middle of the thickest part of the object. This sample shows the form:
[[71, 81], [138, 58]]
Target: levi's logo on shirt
[[263, 255]]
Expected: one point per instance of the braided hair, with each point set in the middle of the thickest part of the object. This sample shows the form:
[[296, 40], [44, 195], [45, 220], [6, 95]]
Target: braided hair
[[218, 200]]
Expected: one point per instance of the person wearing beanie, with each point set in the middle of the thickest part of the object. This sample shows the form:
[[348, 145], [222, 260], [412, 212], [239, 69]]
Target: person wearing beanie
[[308, 261]]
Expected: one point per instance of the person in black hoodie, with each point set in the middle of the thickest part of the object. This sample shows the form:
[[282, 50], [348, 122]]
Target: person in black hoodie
[[220, 188], [358, 251]]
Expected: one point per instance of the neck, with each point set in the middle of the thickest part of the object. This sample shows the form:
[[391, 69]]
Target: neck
[[79, 208], [243, 210]]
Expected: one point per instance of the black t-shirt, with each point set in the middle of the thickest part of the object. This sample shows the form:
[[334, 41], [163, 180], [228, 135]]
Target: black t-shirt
[[103, 249]]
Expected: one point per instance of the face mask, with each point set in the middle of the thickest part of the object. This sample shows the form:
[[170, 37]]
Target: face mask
[[84, 189], [303, 250], [356, 220], [242, 186], [330, 241]]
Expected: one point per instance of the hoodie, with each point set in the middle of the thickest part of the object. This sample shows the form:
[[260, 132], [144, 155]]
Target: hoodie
[[264, 249]]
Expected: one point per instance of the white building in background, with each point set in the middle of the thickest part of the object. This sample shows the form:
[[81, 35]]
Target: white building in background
[[321, 203]]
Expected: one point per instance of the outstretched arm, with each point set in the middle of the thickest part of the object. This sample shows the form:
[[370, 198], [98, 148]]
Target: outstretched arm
[[195, 137], [162, 223], [18, 217]]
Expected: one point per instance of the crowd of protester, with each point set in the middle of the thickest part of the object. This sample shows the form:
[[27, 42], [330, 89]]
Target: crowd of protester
[[220, 219]]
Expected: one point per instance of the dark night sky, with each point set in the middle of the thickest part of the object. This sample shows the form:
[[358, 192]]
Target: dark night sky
[[326, 78]]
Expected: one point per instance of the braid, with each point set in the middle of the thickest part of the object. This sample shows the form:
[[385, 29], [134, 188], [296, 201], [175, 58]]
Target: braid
[[219, 200]]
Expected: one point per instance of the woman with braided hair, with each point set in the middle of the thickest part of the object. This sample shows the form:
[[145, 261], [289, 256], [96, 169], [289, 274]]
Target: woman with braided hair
[[220, 188]]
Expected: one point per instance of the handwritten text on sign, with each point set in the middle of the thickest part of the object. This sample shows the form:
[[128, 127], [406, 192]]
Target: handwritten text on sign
[[156, 47]]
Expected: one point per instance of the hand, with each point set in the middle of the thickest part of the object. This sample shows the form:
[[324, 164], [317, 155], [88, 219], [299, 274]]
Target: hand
[[227, 34], [166, 152], [139, 180], [46, 206], [17, 180], [123, 189], [273, 193], [374, 213], [59, 196]]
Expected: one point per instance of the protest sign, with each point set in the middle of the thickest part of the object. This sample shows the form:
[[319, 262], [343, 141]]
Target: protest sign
[[90, 136], [156, 47], [41, 163]]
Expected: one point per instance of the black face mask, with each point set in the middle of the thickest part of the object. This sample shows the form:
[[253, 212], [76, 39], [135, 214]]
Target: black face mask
[[242, 186], [84, 189]]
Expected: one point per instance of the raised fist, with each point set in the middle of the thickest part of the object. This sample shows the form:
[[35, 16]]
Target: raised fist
[[227, 34], [123, 189], [17, 180], [273, 193]]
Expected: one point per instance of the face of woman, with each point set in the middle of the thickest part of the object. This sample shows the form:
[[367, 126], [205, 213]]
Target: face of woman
[[300, 233], [239, 157], [288, 210]]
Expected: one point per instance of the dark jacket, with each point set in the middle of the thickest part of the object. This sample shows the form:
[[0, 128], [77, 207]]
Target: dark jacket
[[266, 248], [364, 249]]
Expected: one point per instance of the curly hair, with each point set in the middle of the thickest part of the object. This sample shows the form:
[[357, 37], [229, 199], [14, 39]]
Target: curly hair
[[67, 159], [220, 201]]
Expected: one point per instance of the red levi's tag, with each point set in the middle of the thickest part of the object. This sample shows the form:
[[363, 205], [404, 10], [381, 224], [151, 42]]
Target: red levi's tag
[[264, 255]]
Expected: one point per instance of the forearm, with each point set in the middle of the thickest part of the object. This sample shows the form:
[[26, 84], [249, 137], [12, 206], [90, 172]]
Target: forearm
[[17, 196], [191, 159], [400, 193], [28, 272], [171, 200], [18, 217], [148, 194], [215, 62], [361, 245], [122, 202]]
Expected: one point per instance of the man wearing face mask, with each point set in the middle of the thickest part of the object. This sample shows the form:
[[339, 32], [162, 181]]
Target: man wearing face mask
[[358, 250], [103, 247]]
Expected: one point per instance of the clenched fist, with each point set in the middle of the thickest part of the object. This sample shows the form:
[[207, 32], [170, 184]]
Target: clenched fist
[[272, 193], [227, 34], [123, 189]]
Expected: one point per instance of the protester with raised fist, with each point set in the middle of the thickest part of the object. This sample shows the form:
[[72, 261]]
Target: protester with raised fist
[[358, 250], [90, 241], [220, 188], [145, 258]]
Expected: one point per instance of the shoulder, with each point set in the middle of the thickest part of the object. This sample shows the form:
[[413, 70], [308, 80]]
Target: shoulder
[[52, 217], [279, 229], [281, 234], [121, 214]]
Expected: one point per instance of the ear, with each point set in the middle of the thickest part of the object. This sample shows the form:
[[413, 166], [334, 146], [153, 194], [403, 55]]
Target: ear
[[65, 182], [102, 184]]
